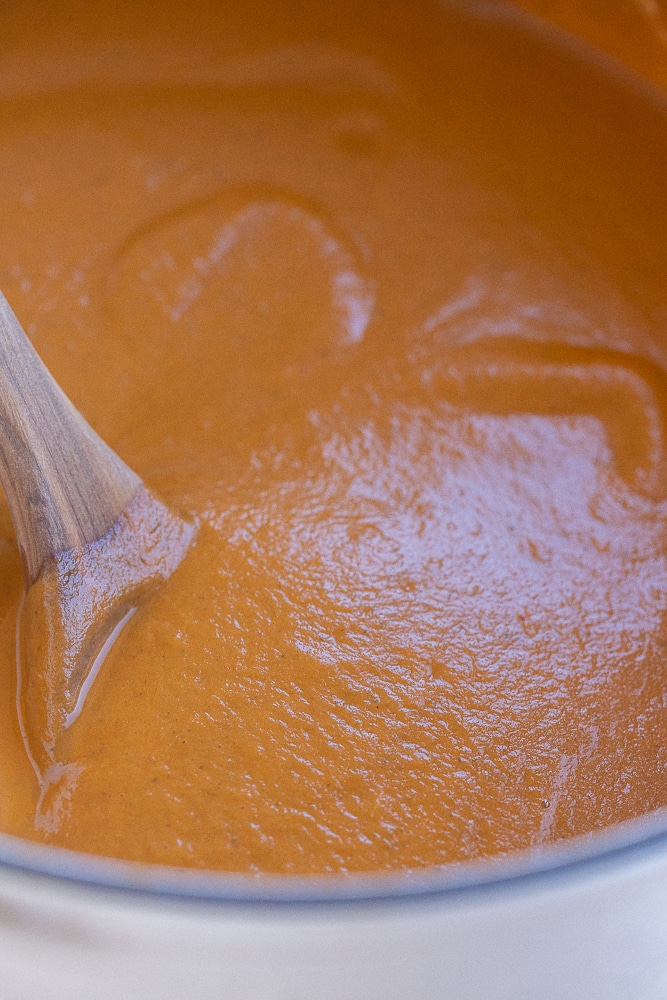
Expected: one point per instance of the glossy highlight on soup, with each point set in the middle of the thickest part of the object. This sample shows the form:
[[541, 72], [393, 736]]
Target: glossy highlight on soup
[[372, 295]]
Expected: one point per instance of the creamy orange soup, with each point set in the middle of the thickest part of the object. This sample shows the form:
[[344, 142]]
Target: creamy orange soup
[[374, 295]]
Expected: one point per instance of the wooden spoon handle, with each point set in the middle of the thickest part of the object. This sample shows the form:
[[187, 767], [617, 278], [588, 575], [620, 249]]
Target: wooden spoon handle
[[65, 487]]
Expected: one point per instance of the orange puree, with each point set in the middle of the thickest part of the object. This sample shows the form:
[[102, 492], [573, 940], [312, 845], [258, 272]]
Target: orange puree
[[632, 31], [374, 294]]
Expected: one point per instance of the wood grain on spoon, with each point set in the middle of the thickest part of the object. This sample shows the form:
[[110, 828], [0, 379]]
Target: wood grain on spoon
[[65, 487], [93, 540]]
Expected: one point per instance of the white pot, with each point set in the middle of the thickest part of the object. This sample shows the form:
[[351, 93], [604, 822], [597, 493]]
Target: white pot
[[588, 921]]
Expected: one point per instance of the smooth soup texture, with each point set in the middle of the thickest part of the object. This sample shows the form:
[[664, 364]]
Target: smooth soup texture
[[372, 294]]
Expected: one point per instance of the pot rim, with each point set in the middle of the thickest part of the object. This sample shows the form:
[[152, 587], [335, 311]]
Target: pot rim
[[624, 845]]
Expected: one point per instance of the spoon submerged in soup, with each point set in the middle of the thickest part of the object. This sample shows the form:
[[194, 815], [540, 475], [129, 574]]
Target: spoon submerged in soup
[[94, 542]]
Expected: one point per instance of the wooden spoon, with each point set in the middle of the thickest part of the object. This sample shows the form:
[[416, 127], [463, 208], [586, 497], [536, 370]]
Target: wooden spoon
[[94, 543]]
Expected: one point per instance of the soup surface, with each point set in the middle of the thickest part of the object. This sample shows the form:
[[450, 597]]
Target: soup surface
[[372, 295]]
